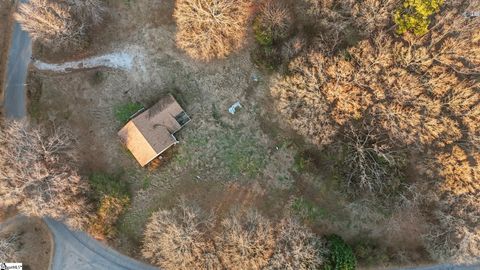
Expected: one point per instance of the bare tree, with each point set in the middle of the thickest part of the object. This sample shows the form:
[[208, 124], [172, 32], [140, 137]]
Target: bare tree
[[296, 248], [246, 241], [454, 234], [51, 23], [178, 239], [210, 29], [460, 171], [186, 238], [37, 177], [88, 11], [372, 165], [275, 19], [299, 98]]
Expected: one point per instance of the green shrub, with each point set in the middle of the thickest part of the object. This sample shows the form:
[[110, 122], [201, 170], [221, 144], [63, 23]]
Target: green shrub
[[109, 185], [123, 112], [99, 77], [263, 37], [414, 15], [113, 197], [341, 255]]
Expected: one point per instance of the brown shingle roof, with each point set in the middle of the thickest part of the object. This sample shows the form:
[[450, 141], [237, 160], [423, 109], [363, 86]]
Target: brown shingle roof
[[150, 133]]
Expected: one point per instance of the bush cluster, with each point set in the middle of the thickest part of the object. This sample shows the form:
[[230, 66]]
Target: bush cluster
[[414, 15]]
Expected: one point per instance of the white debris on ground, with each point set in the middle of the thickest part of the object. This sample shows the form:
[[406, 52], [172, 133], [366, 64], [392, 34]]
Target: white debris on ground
[[120, 60], [234, 107]]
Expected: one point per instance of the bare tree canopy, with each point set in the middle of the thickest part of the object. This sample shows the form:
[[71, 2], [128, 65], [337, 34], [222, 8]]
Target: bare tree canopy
[[209, 29], [187, 238], [385, 94], [37, 177], [59, 24]]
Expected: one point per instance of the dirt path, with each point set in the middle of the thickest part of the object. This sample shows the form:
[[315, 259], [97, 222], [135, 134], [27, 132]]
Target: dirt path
[[76, 250], [120, 60]]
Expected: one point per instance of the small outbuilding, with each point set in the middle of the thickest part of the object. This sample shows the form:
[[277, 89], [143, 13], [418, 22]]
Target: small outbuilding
[[150, 133]]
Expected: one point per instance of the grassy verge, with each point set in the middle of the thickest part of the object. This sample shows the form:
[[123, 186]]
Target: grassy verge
[[123, 112]]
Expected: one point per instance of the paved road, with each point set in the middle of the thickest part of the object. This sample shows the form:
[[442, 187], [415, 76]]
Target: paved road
[[17, 69], [76, 250], [446, 267]]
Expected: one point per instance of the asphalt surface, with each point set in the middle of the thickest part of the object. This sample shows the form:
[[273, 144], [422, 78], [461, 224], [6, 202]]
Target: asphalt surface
[[447, 267], [76, 250], [17, 69]]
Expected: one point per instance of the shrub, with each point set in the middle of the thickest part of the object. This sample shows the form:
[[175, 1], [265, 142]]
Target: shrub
[[209, 29], [340, 256], [109, 211], [262, 37], [110, 185], [414, 15], [123, 112], [114, 196], [99, 77]]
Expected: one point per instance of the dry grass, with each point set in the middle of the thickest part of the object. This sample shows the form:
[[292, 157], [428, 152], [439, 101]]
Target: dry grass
[[209, 29]]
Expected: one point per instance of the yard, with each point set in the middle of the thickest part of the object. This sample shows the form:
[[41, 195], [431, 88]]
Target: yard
[[224, 161]]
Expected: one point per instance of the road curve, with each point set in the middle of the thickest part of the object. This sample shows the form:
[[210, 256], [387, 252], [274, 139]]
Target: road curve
[[447, 267], [76, 250], [17, 68]]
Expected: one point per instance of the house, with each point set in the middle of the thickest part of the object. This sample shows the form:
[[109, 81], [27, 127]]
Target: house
[[150, 133]]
